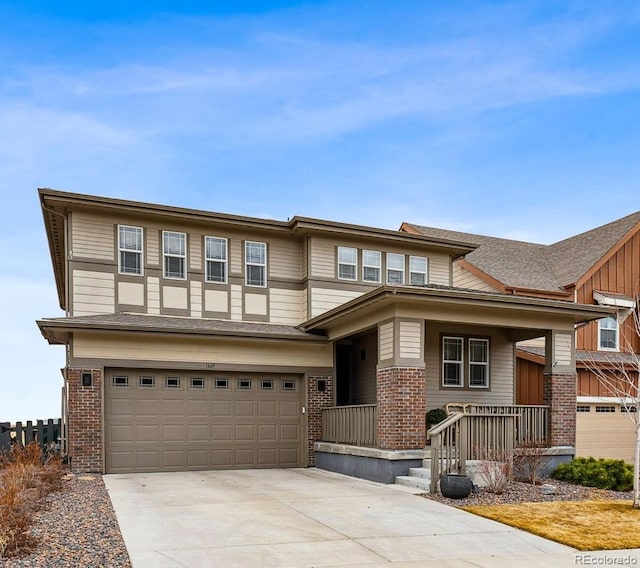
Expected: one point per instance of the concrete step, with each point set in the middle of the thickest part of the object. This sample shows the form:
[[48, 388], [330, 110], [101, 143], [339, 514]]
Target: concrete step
[[421, 472], [410, 481]]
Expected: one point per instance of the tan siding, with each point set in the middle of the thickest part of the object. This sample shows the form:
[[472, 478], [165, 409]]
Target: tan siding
[[439, 269], [410, 339], [93, 293], [183, 350], [305, 258], [324, 299], [196, 299], [596, 430], [386, 341], [284, 260], [236, 302], [92, 237], [501, 362], [153, 246], [323, 258], [153, 295], [235, 256], [286, 307], [464, 279], [563, 351], [195, 251]]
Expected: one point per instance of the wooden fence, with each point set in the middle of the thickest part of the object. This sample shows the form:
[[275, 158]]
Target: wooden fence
[[354, 425], [47, 433]]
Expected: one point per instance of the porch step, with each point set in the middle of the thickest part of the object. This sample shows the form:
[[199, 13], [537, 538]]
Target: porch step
[[411, 481], [421, 472]]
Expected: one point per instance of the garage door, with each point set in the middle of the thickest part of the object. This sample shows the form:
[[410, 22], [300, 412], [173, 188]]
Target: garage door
[[174, 421], [604, 431]]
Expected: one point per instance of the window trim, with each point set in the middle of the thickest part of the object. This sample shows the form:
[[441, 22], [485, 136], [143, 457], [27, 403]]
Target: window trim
[[377, 267], [247, 264], [412, 272], [354, 264], [460, 362], [224, 262], [122, 249], [403, 270], [465, 372], [617, 332], [166, 255]]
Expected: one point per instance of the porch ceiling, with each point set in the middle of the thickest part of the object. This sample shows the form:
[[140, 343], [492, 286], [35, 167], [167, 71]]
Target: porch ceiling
[[527, 317]]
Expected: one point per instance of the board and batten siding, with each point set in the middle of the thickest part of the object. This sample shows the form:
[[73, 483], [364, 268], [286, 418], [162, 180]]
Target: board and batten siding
[[464, 279], [501, 368], [325, 299], [92, 237], [93, 293]]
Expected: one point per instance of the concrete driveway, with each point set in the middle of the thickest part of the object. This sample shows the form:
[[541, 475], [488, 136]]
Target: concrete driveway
[[306, 517]]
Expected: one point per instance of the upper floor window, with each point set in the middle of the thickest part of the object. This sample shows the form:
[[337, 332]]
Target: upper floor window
[[395, 268], [174, 246], [255, 257], [129, 250], [608, 334], [371, 265], [215, 250], [347, 263], [417, 270]]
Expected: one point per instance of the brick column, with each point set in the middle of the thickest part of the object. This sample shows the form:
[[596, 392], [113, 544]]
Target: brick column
[[317, 399], [85, 421], [402, 405], [559, 393]]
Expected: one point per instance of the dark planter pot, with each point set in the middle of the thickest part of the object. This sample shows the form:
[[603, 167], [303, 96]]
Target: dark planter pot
[[455, 486]]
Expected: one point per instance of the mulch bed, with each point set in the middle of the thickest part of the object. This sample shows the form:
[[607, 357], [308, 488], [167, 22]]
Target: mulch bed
[[526, 493], [76, 528]]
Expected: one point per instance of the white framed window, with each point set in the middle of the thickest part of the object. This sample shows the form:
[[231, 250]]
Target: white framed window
[[395, 268], [418, 270], [255, 258], [452, 361], [130, 250], [608, 332], [215, 253], [347, 263], [371, 265], [174, 246], [478, 363]]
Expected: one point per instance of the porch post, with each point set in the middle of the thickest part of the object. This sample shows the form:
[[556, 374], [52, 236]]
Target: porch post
[[401, 385], [559, 387]]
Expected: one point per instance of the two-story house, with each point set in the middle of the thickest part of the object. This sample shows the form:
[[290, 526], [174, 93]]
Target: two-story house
[[201, 340], [599, 267]]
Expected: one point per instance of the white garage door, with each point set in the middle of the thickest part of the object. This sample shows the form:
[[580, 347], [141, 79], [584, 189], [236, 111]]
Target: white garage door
[[175, 421]]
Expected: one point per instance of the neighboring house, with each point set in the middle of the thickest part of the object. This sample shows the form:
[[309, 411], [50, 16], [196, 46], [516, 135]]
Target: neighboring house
[[199, 340], [600, 267]]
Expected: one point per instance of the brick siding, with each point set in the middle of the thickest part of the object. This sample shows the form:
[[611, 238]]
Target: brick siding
[[401, 408], [85, 421], [559, 392], [316, 401]]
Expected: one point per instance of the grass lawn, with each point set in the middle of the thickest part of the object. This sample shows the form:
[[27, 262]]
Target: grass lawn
[[585, 525]]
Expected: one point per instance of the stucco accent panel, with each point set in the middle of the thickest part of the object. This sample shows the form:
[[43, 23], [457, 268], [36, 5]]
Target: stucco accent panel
[[255, 304], [174, 297], [131, 293], [216, 300]]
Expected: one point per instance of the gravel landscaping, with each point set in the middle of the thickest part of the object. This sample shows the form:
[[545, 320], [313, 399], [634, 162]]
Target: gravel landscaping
[[77, 528], [517, 492]]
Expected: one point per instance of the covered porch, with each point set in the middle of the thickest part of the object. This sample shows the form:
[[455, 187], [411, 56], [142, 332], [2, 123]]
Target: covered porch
[[402, 351]]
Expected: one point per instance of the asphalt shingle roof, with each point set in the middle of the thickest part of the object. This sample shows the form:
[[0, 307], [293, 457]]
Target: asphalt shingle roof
[[520, 264]]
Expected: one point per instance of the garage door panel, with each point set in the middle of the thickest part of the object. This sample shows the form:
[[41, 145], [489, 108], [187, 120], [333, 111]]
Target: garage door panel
[[219, 425]]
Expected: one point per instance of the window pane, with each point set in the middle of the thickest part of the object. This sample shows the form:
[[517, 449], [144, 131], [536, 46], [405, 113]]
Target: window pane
[[347, 255], [418, 264], [418, 279], [216, 248], [395, 277], [130, 262], [477, 375], [347, 272], [370, 274], [395, 261], [372, 258], [255, 253], [478, 351], [452, 374], [255, 275], [216, 271], [131, 238], [452, 349], [174, 243], [173, 267]]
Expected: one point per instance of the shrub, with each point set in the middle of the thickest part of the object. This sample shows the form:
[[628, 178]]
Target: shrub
[[495, 469], [602, 473], [529, 462], [435, 416]]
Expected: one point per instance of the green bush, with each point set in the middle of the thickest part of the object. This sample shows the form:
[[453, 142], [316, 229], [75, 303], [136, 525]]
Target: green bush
[[602, 473], [435, 416]]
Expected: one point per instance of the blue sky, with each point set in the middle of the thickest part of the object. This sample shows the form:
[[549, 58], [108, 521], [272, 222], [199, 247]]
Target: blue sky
[[515, 119]]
